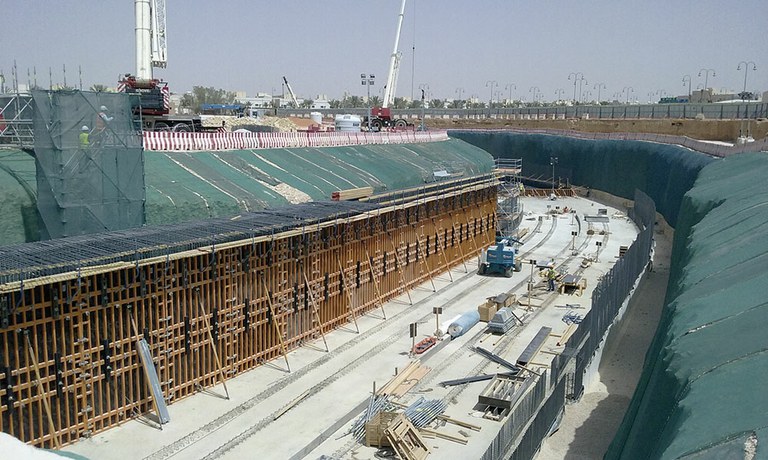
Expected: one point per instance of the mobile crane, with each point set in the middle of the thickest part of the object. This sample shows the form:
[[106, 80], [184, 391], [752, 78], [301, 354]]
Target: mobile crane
[[152, 106], [381, 117]]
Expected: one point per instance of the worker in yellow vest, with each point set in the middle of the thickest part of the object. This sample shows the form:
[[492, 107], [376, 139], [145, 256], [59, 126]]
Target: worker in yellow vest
[[84, 133], [551, 276]]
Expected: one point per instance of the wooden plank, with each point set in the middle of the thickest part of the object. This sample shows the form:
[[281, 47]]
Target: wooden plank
[[442, 435]]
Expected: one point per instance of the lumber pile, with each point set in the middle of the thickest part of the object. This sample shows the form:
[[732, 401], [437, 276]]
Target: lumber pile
[[352, 194], [405, 380]]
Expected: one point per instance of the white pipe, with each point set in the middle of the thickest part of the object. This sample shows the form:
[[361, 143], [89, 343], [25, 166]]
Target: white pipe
[[389, 92], [143, 37]]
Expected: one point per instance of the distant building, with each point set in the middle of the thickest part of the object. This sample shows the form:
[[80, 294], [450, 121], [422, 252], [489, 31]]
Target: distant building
[[321, 102], [260, 100], [711, 95]]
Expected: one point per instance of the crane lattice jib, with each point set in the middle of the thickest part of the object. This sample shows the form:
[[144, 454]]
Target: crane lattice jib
[[394, 63], [159, 47]]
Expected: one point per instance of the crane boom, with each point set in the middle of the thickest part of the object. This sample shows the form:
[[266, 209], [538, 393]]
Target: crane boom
[[151, 49], [290, 91], [394, 63]]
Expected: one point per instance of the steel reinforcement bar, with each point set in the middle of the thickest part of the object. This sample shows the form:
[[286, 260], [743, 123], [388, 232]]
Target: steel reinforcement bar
[[69, 366]]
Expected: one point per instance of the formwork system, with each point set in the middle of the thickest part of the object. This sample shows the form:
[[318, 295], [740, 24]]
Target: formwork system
[[210, 307]]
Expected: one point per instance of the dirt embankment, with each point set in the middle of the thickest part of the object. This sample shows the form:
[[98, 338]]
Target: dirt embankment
[[712, 130]]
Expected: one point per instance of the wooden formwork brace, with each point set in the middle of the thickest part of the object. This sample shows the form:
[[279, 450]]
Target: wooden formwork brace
[[461, 251], [347, 289], [472, 237], [441, 248], [43, 394], [314, 310], [400, 269], [207, 324], [278, 332], [423, 259], [375, 283]]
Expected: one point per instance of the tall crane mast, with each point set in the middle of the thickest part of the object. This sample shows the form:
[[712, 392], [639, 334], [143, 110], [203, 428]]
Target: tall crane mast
[[394, 63], [151, 49]]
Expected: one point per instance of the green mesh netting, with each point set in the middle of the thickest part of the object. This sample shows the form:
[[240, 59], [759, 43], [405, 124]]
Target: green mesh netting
[[88, 162], [19, 191], [703, 393], [663, 172], [195, 185]]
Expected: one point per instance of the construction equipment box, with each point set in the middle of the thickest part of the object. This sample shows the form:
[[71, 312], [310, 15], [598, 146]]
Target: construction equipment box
[[487, 310]]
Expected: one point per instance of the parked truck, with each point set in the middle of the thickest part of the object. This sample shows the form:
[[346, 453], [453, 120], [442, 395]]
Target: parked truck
[[151, 106]]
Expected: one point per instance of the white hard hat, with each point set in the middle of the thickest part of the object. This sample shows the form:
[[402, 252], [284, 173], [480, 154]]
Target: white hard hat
[[103, 107], [84, 128]]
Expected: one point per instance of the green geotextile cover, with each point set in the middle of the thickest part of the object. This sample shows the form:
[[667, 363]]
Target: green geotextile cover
[[704, 389], [18, 189], [663, 172], [196, 185]]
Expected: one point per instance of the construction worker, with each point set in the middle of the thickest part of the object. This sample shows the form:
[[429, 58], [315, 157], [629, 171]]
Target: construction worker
[[551, 276], [84, 132], [100, 131]]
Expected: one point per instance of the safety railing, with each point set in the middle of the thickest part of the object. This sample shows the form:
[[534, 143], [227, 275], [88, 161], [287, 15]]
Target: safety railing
[[171, 141]]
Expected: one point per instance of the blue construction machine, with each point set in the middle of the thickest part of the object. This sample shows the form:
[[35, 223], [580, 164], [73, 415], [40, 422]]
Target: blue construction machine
[[500, 258]]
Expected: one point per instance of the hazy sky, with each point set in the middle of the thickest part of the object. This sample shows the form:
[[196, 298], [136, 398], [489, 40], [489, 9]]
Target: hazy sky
[[323, 46]]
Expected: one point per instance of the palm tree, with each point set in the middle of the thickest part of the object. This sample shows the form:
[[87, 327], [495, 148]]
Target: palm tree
[[354, 101], [437, 104], [97, 88]]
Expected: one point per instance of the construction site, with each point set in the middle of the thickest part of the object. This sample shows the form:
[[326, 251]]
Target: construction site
[[475, 288]]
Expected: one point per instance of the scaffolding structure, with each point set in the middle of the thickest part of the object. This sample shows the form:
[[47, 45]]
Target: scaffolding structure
[[16, 121], [212, 300], [509, 207]]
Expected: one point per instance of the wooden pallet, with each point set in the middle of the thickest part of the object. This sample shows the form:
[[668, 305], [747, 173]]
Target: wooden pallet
[[406, 439]]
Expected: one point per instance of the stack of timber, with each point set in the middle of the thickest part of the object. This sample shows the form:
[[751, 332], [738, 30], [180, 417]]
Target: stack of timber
[[405, 380], [352, 194], [209, 306]]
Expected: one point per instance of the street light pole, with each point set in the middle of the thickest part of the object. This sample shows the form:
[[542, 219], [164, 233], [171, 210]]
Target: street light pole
[[367, 81], [706, 79], [509, 87], [746, 69], [628, 89], [577, 77], [599, 86], [491, 83], [424, 87], [689, 85], [534, 90], [553, 161], [559, 93]]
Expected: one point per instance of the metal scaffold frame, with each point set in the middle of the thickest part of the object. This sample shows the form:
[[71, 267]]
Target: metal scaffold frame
[[16, 121], [509, 208], [209, 307]]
